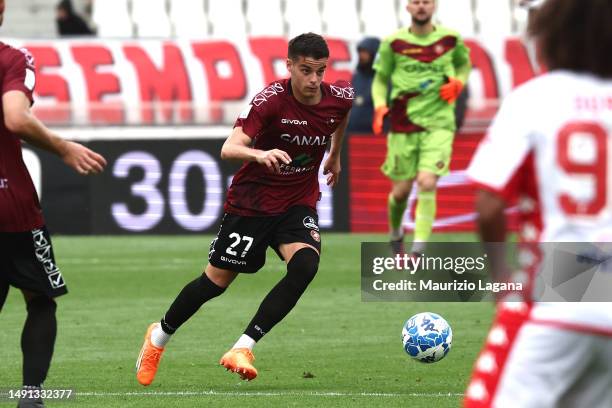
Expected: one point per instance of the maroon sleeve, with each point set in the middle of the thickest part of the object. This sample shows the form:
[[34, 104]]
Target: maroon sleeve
[[348, 94], [19, 72], [255, 117]]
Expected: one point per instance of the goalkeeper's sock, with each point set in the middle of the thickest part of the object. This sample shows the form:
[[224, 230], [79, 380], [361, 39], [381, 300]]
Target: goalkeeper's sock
[[396, 215], [424, 218], [245, 341], [418, 247], [188, 302]]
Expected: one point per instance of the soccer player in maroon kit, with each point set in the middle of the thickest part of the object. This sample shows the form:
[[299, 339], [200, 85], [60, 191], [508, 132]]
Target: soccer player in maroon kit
[[281, 137], [26, 254]]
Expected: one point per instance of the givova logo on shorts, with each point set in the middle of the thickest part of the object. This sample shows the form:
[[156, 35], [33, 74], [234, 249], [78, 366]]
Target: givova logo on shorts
[[42, 249]]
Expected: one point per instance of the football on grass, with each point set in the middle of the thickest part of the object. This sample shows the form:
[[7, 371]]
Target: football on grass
[[427, 337]]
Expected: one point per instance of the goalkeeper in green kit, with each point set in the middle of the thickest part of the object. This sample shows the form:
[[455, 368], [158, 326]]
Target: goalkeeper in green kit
[[427, 66]]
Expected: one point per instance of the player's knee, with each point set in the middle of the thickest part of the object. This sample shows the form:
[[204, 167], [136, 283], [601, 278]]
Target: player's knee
[[302, 268], [400, 193], [400, 196], [41, 305], [427, 182], [219, 277]]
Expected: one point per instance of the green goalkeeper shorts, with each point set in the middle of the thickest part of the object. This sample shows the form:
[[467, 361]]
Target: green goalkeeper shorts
[[409, 153]]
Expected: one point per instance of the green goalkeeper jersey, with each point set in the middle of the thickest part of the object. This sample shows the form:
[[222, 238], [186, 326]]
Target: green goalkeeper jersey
[[417, 66]]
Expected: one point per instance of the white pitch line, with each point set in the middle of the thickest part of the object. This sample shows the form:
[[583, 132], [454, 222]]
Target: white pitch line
[[261, 394]]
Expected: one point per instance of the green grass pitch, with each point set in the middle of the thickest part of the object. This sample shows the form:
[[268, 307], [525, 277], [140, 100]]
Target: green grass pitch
[[332, 350]]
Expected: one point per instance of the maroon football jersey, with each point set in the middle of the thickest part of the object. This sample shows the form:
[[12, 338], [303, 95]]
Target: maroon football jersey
[[276, 120], [19, 207]]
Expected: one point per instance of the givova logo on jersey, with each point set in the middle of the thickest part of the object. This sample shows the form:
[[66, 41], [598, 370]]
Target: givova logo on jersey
[[294, 122]]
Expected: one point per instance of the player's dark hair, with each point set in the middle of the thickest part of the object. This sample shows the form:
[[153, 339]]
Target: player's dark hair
[[308, 45], [575, 35]]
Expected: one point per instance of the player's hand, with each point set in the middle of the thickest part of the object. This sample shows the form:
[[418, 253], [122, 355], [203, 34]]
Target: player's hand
[[272, 159], [83, 160], [332, 169], [451, 90], [379, 117]]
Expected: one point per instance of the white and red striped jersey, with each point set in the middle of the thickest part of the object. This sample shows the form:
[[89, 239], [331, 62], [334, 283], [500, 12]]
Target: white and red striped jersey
[[564, 120]]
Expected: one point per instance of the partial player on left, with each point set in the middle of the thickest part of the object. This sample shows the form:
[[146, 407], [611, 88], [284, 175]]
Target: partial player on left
[[26, 255]]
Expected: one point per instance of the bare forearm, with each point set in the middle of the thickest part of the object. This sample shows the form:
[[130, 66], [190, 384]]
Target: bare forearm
[[30, 129], [338, 137], [491, 217], [238, 147], [237, 152], [493, 229], [336, 143]]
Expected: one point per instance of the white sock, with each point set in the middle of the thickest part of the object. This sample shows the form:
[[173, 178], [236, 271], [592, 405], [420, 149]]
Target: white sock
[[245, 342], [159, 338]]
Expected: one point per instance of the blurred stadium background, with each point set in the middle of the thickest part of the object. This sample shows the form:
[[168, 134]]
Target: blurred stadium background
[[159, 87], [156, 92], [236, 18]]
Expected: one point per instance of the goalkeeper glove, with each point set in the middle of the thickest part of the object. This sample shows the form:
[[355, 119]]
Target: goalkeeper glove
[[450, 91], [379, 117]]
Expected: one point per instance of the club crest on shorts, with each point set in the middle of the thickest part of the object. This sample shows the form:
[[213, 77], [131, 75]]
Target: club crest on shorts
[[310, 223], [315, 235]]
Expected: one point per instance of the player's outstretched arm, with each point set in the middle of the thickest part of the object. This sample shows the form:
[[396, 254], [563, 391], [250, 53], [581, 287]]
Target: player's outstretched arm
[[19, 120], [238, 147], [492, 229], [332, 166]]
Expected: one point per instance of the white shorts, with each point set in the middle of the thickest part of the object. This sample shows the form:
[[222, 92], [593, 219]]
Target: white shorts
[[551, 367]]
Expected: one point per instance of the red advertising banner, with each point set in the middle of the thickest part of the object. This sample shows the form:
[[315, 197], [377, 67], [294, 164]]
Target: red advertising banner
[[369, 188]]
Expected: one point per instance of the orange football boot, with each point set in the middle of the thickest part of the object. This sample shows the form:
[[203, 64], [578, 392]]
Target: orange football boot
[[239, 361], [148, 360]]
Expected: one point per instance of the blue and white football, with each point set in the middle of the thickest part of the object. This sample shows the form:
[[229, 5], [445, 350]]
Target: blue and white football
[[427, 337]]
